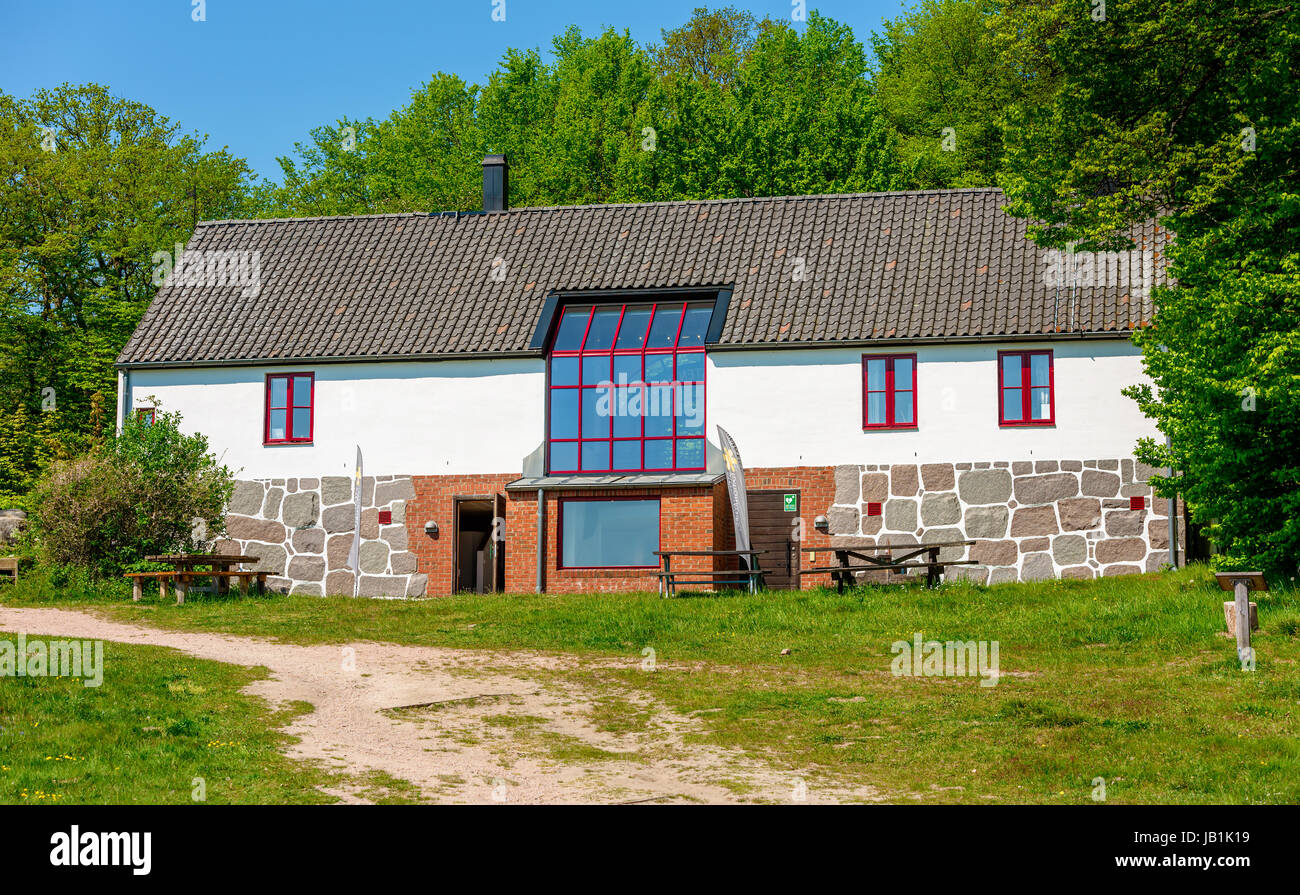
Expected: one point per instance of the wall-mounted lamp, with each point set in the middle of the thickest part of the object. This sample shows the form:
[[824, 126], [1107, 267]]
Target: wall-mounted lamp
[[822, 524], [431, 528]]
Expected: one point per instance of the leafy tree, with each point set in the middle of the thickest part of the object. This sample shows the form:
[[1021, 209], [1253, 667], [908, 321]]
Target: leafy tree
[[940, 84], [1170, 108], [709, 48], [146, 490], [91, 186]]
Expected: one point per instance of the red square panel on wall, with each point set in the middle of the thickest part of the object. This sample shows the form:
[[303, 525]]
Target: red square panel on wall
[[873, 509], [1137, 503], [385, 517]]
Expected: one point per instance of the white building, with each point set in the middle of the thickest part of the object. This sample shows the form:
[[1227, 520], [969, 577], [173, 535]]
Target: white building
[[895, 368]]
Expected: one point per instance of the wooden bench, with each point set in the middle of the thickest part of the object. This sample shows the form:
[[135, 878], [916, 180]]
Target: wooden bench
[[9, 568], [182, 581], [669, 580], [873, 561]]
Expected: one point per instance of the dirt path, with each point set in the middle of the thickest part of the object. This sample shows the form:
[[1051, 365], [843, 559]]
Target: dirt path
[[468, 725]]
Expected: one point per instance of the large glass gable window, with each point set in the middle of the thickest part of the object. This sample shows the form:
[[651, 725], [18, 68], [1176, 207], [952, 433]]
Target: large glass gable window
[[626, 388]]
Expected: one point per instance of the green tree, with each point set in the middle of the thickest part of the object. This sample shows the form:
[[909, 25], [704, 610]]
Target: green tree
[[1169, 108], [940, 85], [91, 186], [709, 48]]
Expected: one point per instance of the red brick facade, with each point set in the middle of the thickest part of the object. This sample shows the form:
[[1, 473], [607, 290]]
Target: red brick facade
[[690, 518]]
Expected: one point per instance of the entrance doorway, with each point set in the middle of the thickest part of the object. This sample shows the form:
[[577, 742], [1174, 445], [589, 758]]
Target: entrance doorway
[[772, 516], [478, 544]]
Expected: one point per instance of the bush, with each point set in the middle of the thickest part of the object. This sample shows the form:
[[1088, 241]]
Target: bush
[[150, 489]]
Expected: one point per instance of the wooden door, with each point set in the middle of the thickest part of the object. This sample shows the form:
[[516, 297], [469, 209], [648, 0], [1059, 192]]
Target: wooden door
[[772, 515]]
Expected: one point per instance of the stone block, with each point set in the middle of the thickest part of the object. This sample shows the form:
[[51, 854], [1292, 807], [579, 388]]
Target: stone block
[[271, 506], [940, 509], [246, 528], [1034, 545], [1070, 550], [1046, 488], [1121, 550], [335, 489], [339, 518], [875, 487], [398, 489], [383, 586], [1037, 567], [1124, 523], [848, 485], [417, 585], [995, 553], [339, 583], [900, 514], [374, 557], [307, 568], [938, 476], [983, 486], [403, 563], [1099, 484], [1114, 571], [246, 499], [395, 535], [842, 520], [904, 480], [1032, 521], [1080, 514], [270, 557], [309, 540], [987, 522], [301, 510]]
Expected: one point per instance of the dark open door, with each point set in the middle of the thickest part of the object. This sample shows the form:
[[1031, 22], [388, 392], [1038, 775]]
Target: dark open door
[[499, 542], [772, 515]]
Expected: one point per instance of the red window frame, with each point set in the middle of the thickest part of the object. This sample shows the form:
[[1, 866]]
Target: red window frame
[[146, 415], [1026, 389], [890, 393], [559, 529], [676, 351], [291, 403]]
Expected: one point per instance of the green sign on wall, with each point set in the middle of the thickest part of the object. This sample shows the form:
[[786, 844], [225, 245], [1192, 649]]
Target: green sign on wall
[[792, 503]]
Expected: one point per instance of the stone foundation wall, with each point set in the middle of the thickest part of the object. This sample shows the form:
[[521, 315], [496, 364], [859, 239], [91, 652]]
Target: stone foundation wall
[[301, 529], [1029, 520]]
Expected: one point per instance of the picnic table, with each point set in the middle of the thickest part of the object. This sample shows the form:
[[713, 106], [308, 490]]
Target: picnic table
[[221, 570], [670, 580], [882, 559]]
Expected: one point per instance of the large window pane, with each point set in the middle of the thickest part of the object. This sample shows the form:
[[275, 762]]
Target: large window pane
[[564, 371], [658, 368], [663, 332], [876, 408], [301, 422], [1040, 403], [564, 456], [609, 533], [600, 336], [696, 325], [1039, 367], [277, 428], [627, 454], [690, 367], [595, 369], [659, 453], [627, 368], [902, 408], [595, 413], [572, 326], [690, 453], [659, 411], [876, 374], [1011, 409], [595, 456], [564, 413], [633, 331], [280, 391], [1010, 370], [626, 408], [902, 374], [689, 409], [302, 391]]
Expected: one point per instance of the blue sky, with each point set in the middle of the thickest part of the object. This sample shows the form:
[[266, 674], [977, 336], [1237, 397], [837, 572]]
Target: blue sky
[[257, 76]]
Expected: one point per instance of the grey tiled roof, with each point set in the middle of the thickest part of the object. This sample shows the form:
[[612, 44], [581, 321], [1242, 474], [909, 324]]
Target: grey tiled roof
[[929, 264]]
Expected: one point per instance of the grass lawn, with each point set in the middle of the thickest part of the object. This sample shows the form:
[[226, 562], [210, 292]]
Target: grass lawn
[[1126, 679], [158, 721]]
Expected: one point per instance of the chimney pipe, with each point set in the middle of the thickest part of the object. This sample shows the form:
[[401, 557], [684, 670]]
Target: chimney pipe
[[496, 183]]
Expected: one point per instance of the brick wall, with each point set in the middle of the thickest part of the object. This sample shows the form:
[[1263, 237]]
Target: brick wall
[[435, 500]]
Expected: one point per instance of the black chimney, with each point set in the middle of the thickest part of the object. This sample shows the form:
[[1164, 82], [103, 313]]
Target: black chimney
[[496, 183]]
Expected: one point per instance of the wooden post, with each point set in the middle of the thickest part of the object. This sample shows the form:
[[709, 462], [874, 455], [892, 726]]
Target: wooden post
[[162, 586], [180, 589], [137, 589], [1241, 593]]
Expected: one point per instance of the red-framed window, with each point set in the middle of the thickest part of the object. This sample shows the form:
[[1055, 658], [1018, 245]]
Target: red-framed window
[[146, 415], [1026, 388], [625, 388], [609, 532], [889, 391], [289, 408]]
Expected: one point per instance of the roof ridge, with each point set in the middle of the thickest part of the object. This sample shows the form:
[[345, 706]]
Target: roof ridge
[[606, 205]]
